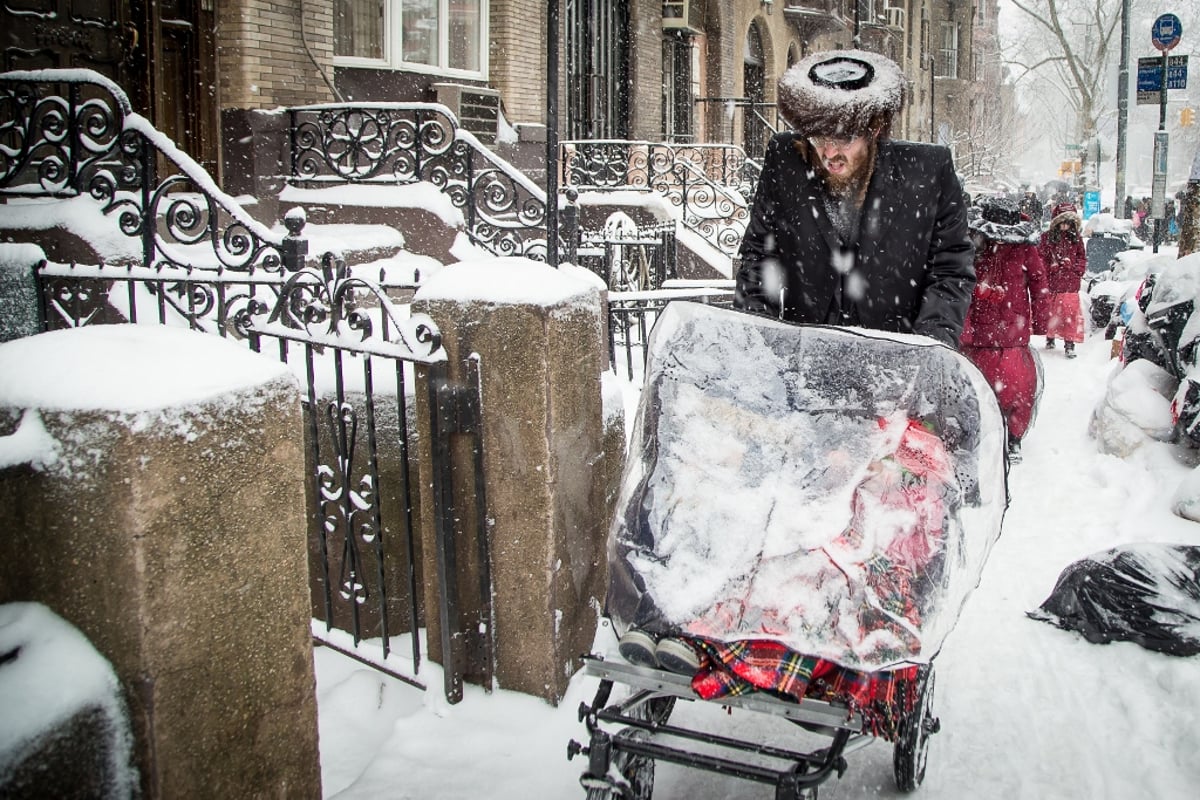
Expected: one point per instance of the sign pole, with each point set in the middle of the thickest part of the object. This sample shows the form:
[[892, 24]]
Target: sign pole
[[1164, 35], [1122, 113]]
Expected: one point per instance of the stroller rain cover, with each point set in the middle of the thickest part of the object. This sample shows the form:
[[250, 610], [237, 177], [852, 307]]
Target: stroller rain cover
[[836, 490]]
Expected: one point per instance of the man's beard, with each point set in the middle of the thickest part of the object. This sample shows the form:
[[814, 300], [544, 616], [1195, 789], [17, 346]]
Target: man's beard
[[850, 184]]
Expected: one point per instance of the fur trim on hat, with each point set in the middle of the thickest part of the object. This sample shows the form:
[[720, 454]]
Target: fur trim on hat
[[1065, 213], [999, 219], [841, 93]]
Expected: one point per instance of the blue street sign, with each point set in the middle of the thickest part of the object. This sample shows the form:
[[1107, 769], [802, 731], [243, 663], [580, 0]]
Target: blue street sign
[[1091, 204], [1149, 73], [1165, 32]]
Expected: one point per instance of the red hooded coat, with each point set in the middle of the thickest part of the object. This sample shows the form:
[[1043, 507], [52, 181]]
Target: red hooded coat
[[1010, 295], [1009, 303]]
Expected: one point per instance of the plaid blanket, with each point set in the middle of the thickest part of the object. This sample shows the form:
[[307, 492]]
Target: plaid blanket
[[730, 669]]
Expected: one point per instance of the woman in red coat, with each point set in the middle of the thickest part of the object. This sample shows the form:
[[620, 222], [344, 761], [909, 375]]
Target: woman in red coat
[[1010, 297], [1065, 258]]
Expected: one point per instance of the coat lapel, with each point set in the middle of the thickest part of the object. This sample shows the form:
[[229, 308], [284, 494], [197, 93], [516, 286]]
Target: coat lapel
[[875, 219]]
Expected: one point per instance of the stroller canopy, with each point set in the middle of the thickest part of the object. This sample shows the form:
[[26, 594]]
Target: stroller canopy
[[836, 490]]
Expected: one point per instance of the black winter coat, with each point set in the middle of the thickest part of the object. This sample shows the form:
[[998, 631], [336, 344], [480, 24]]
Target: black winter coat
[[911, 269]]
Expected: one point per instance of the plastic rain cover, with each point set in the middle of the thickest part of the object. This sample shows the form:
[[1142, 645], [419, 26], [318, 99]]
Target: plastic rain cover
[[835, 490]]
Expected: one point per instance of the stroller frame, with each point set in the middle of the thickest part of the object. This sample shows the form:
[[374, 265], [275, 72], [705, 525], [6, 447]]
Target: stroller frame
[[617, 762]]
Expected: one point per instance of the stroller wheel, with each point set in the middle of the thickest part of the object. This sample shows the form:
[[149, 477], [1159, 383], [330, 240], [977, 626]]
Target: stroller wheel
[[637, 773], [912, 743]]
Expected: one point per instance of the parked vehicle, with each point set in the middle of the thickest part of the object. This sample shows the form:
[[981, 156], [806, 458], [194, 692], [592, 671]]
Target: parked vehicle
[[1120, 282]]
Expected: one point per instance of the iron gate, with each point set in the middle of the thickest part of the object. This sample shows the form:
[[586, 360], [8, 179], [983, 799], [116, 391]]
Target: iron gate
[[194, 258]]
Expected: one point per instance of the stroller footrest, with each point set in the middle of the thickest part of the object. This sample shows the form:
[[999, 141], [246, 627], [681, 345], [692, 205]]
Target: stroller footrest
[[808, 711]]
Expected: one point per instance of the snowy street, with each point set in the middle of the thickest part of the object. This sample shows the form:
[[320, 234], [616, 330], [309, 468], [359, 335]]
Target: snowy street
[[1027, 710]]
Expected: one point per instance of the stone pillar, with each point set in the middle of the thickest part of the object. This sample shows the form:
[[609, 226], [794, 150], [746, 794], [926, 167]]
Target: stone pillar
[[18, 290], [549, 452], [152, 488]]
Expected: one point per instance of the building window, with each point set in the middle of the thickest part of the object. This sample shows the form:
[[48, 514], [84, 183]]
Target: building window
[[947, 62], [443, 36]]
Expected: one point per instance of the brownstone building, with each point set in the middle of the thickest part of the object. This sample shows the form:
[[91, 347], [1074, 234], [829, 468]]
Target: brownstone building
[[206, 72]]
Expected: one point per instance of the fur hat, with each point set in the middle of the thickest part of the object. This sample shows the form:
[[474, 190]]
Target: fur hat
[[1064, 208], [1000, 219], [841, 93]]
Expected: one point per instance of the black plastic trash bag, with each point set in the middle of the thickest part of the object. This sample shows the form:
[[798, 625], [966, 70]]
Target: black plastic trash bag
[[1144, 593]]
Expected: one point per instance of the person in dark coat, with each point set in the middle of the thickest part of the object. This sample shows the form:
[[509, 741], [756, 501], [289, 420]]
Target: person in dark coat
[[851, 227], [1031, 206], [1009, 300], [1062, 251]]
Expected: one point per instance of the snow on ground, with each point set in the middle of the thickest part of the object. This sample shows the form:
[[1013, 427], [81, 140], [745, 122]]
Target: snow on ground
[[1027, 710]]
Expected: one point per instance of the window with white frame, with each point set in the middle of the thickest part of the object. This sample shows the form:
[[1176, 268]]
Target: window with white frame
[[444, 36], [947, 61]]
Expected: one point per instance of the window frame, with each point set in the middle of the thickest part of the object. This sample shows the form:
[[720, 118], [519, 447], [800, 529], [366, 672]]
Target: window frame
[[393, 58], [947, 61]]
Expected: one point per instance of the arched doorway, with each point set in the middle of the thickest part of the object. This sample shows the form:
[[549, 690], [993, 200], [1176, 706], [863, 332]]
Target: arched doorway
[[754, 73]]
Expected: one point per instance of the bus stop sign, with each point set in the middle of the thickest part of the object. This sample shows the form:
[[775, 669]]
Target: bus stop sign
[[1165, 32]]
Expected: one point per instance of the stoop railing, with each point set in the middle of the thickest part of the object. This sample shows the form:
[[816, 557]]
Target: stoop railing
[[409, 143], [175, 250], [710, 184]]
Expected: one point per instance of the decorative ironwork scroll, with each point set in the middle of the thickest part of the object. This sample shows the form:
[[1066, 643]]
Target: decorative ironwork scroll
[[69, 133], [408, 143], [708, 182]]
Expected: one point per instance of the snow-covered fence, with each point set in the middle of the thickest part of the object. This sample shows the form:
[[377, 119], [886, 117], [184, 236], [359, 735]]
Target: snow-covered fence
[[633, 314], [409, 143], [71, 133], [709, 184]]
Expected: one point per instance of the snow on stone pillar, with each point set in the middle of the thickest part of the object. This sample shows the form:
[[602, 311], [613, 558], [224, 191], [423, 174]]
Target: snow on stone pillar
[[552, 449], [65, 733], [152, 488]]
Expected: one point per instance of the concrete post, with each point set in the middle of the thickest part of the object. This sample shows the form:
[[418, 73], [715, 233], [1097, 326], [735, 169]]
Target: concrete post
[[159, 508], [551, 460]]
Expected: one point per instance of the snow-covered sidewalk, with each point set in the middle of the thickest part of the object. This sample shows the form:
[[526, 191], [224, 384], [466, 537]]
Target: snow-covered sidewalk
[[1027, 710]]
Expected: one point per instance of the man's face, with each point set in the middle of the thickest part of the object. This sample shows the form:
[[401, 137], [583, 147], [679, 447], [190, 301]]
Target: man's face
[[845, 161]]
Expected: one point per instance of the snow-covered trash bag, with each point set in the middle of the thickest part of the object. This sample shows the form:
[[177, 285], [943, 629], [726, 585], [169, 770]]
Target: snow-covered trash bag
[[1147, 593], [1135, 409], [834, 490]]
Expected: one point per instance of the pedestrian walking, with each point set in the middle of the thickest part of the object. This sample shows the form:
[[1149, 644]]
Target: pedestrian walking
[[850, 226], [1010, 297], [1065, 258]]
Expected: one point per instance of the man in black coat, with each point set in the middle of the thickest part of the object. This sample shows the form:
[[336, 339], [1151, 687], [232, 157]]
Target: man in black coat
[[848, 226]]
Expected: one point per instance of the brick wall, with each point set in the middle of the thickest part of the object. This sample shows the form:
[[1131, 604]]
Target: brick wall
[[517, 58], [645, 70], [262, 59]]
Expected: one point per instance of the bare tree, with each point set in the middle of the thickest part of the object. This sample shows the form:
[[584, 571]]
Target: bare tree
[[1073, 47]]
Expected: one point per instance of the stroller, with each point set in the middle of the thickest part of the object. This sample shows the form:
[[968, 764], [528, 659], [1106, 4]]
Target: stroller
[[807, 508]]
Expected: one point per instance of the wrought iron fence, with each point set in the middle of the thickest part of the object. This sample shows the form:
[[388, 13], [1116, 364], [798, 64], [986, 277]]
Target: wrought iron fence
[[407, 143], [199, 260], [72, 133], [355, 352], [632, 315], [711, 184]]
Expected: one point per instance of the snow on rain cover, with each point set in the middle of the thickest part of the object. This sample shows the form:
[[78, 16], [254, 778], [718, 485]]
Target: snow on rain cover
[[837, 490]]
